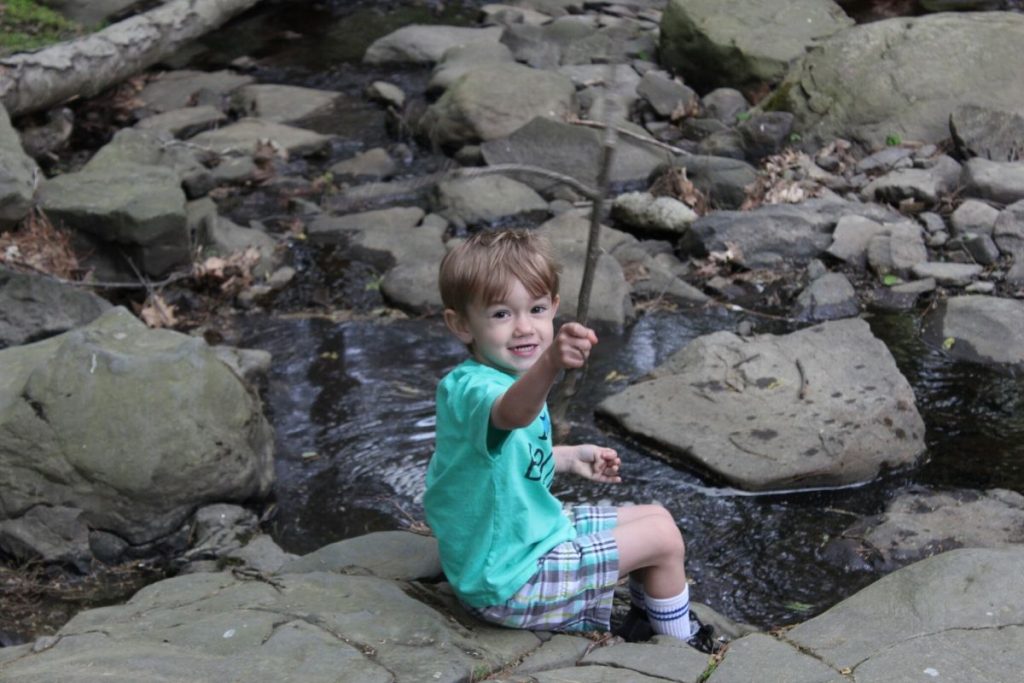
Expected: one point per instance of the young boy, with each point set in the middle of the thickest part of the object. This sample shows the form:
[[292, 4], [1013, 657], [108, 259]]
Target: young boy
[[511, 554]]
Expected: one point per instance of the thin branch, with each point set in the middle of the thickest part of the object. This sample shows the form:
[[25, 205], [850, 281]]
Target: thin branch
[[583, 189], [625, 132]]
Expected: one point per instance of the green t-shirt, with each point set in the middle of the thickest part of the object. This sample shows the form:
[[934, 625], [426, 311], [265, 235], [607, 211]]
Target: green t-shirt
[[488, 499]]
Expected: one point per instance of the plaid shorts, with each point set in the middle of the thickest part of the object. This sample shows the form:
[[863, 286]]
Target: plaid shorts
[[574, 584]]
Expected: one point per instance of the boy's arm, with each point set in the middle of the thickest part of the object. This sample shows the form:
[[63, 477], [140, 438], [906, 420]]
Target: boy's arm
[[522, 402], [596, 463]]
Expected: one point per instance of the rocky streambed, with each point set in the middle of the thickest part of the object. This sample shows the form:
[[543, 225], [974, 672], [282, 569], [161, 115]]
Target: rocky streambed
[[809, 319]]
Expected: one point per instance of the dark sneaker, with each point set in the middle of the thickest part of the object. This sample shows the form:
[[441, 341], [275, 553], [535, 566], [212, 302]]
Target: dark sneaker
[[634, 627], [703, 638]]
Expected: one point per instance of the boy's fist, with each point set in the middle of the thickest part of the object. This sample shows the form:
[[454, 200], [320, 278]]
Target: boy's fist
[[572, 345]]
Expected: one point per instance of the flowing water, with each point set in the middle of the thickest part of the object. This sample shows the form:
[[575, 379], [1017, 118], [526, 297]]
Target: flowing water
[[352, 402]]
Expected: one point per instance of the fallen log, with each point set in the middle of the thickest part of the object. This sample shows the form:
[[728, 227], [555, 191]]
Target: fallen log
[[86, 66]]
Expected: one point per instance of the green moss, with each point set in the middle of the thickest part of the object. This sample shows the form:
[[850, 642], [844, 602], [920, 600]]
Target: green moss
[[778, 100], [25, 25]]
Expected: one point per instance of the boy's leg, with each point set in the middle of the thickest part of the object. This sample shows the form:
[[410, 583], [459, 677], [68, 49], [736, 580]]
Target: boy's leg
[[650, 544]]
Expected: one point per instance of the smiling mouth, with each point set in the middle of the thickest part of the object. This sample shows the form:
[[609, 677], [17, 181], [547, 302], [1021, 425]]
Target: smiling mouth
[[523, 349]]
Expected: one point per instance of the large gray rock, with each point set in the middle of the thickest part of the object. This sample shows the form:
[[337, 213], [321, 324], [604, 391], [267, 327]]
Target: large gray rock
[[824, 406], [33, 307], [314, 628], [17, 172], [748, 41], [1001, 182], [983, 328], [494, 100], [723, 180], [177, 89], [767, 237], [829, 297], [50, 534], [1008, 230], [387, 554], [140, 207], [571, 150], [461, 59], [927, 185], [288, 104], [245, 134], [838, 89], [956, 616], [487, 199], [419, 44], [919, 524], [987, 133], [135, 427]]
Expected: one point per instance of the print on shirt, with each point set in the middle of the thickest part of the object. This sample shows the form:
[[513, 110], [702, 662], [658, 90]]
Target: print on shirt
[[542, 465]]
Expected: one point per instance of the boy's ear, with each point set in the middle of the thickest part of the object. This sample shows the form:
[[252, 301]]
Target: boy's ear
[[458, 325], [554, 305]]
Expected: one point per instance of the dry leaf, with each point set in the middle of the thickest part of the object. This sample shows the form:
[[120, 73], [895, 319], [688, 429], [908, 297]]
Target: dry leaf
[[157, 313]]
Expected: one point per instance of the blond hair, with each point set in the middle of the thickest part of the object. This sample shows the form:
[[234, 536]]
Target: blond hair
[[484, 267]]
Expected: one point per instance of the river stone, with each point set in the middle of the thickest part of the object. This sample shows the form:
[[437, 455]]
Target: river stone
[[33, 307], [983, 328], [760, 657], [723, 180], [375, 163], [824, 406], [418, 44], [16, 175], [1001, 182], [487, 199], [245, 134], [387, 554], [49, 534], [644, 212], [957, 614], [154, 148], [835, 91], [412, 286], [262, 554], [495, 100], [667, 96], [177, 89], [461, 59], [102, 416], [927, 185], [829, 297], [954, 274], [610, 301], [224, 238], [766, 237], [974, 216], [141, 206], [897, 249], [570, 150], [1008, 231], [315, 627], [288, 104], [851, 238], [749, 41], [328, 229], [919, 524], [184, 123], [987, 133]]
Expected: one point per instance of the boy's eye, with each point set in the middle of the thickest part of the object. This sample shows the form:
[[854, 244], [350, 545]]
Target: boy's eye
[[539, 309], [500, 315]]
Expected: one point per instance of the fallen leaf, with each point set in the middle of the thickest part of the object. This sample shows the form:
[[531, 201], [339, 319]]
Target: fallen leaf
[[157, 313]]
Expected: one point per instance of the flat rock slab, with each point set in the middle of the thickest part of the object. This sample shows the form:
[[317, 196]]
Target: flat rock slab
[[918, 524], [760, 657], [176, 89], [314, 628], [387, 554], [983, 328], [824, 406], [184, 123], [245, 134], [418, 44], [284, 103], [958, 615]]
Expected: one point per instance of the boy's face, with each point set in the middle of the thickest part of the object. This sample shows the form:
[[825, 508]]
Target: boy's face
[[510, 334]]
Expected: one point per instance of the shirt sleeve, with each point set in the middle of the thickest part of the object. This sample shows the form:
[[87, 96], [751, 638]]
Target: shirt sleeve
[[474, 398]]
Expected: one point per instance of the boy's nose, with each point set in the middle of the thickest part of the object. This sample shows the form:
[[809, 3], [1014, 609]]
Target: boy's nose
[[523, 325]]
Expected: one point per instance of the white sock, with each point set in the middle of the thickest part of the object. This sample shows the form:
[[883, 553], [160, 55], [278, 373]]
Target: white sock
[[636, 593], [670, 616]]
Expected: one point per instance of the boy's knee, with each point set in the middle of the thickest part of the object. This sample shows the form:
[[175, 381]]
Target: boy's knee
[[671, 539]]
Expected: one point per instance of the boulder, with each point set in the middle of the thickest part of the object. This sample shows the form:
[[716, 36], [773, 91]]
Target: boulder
[[102, 417], [987, 133], [461, 59], [418, 44], [897, 249], [829, 297], [999, 181], [749, 41], [17, 174], [493, 101], [927, 185], [487, 199], [33, 307], [824, 406], [836, 91], [982, 328]]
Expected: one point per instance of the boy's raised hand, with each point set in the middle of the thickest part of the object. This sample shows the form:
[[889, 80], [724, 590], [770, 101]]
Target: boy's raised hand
[[572, 345], [596, 463]]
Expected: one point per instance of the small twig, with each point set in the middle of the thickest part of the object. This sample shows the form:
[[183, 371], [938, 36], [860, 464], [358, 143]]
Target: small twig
[[582, 188], [803, 380], [625, 132], [746, 360]]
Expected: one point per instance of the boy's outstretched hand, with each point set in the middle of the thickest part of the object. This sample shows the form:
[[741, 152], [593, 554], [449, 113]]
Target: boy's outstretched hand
[[571, 346], [596, 463]]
